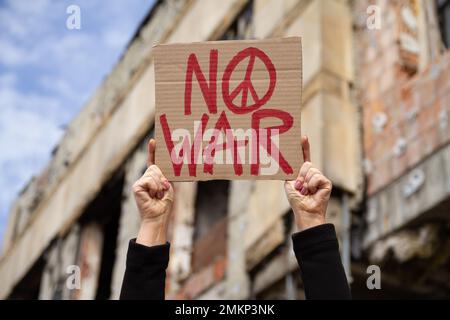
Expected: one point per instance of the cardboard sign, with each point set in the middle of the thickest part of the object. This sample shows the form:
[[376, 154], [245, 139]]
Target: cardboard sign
[[228, 109]]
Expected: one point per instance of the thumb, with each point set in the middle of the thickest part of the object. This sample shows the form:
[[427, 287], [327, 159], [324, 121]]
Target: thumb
[[306, 149], [151, 147]]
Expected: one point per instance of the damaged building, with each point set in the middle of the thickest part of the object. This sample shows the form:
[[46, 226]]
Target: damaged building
[[376, 107]]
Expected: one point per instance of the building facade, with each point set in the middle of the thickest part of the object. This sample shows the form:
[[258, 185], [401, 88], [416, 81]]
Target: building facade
[[376, 107]]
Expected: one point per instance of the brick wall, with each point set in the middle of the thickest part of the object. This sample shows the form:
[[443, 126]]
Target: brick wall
[[405, 110]]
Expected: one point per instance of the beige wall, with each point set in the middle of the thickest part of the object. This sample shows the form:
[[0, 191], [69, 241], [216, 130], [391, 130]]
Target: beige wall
[[329, 117], [109, 146]]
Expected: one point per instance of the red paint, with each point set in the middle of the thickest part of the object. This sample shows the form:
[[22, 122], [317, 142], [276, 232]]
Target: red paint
[[222, 124], [209, 92], [288, 121], [170, 146], [246, 85]]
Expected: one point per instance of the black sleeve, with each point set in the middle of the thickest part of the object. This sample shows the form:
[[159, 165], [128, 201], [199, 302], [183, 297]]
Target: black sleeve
[[317, 253], [145, 273]]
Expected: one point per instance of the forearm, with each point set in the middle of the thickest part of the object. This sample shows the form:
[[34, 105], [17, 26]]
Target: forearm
[[145, 273], [317, 253], [305, 221], [153, 232], [147, 260]]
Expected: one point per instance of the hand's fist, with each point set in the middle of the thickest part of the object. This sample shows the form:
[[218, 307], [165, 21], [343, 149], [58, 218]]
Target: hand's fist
[[153, 192], [308, 195]]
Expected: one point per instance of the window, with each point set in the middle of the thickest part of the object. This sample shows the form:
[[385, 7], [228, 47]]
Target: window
[[211, 207], [241, 28], [211, 204], [443, 9]]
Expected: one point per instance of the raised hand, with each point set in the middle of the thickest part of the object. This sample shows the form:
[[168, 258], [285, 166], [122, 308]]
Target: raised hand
[[309, 194], [154, 198]]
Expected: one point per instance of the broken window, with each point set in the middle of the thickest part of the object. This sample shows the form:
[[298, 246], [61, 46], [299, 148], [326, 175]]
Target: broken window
[[211, 204], [211, 207], [242, 27], [28, 288], [104, 213], [443, 9]]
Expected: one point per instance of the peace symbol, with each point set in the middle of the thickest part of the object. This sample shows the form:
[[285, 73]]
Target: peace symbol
[[246, 85]]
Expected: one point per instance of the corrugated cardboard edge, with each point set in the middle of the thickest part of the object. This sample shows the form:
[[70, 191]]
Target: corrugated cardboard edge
[[296, 38], [250, 41]]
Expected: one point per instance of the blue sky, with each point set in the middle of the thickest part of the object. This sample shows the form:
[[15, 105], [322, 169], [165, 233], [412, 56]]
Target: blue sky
[[47, 73]]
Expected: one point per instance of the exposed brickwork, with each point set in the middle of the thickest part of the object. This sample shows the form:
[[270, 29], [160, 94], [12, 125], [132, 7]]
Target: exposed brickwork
[[201, 281], [209, 246], [417, 124], [405, 112]]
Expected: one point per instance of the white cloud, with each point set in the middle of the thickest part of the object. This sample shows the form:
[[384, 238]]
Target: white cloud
[[8, 80], [46, 74], [26, 139], [10, 24], [58, 86], [22, 20], [115, 38], [29, 7], [12, 55], [29, 123], [14, 101], [26, 133]]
